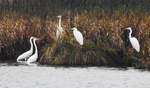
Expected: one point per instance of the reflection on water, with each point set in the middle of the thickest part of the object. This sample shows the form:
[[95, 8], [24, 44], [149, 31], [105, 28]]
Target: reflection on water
[[15, 75]]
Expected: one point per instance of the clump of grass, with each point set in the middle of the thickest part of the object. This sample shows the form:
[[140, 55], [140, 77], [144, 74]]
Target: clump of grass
[[104, 32]]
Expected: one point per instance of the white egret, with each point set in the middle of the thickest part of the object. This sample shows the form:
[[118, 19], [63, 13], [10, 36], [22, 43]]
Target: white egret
[[34, 57], [134, 42], [59, 28], [78, 35], [26, 54]]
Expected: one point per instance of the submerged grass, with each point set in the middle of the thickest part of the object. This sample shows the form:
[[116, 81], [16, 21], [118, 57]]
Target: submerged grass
[[104, 34]]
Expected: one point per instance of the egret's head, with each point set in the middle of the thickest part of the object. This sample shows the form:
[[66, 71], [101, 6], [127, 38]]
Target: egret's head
[[59, 16], [129, 28], [34, 38], [74, 29], [31, 37]]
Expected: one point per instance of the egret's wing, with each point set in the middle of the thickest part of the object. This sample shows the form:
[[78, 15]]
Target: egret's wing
[[24, 55], [32, 59], [57, 34], [61, 29], [78, 36], [135, 44]]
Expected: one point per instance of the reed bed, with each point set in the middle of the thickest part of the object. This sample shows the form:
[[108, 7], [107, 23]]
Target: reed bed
[[103, 29]]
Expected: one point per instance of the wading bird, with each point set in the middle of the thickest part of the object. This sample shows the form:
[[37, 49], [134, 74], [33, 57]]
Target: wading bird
[[34, 57], [78, 35], [59, 30], [27, 54], [134, 42]]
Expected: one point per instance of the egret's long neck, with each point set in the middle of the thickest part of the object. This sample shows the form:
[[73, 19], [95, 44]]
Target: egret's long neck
[[130, 33], [36, 50], [31, 48], [59, 22]]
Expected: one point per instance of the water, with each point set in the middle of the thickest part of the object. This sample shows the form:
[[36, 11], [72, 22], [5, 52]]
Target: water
[[73, 77]]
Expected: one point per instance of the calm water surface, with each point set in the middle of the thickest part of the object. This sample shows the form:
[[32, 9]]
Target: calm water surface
[[73, 77]]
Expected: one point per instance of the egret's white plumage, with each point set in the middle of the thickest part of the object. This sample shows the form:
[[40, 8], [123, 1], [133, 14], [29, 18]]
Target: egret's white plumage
[[134, 42], [59, 30], [78, 35], [34, 57], [26, 54]]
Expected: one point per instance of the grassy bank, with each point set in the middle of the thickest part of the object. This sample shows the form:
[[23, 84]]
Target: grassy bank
[[102, 23]]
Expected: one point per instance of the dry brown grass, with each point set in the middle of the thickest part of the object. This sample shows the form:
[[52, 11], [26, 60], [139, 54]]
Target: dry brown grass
[[102, 36]]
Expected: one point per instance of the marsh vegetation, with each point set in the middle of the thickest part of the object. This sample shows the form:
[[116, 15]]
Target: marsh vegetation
[[102, 23]]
